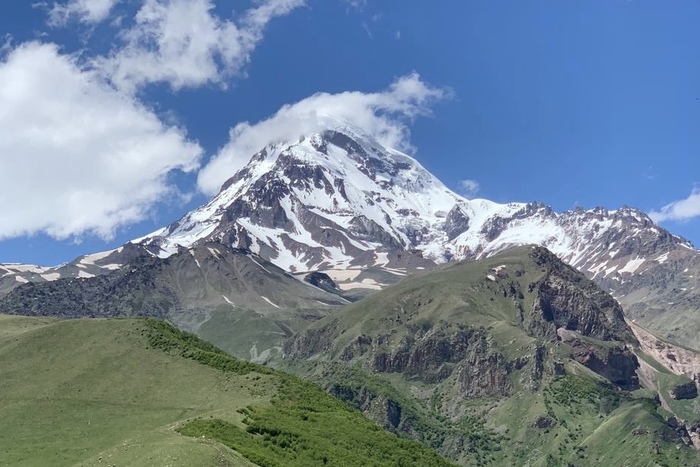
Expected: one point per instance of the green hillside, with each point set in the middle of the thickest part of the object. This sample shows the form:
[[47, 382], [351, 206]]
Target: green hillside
[[514, 360], [134, 392]]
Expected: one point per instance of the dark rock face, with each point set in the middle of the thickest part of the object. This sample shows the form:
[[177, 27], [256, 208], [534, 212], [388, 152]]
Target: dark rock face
[[311, 342], [427, 355], [322, 281], [544, 421], [437, 353], [568, 300], [387, 412], [132, 291], [483, 375], [688, 390], [368, 230], [618, 365], [456, 223]]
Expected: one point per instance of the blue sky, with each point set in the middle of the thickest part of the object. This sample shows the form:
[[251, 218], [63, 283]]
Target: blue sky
[[571, 103]]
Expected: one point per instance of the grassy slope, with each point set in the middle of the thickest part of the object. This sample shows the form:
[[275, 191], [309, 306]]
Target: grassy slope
[[582, 434], [115, 392], [77, 391], [593, 425], [441, 295]]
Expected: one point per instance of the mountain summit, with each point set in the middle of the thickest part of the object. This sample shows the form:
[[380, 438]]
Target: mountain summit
[[338, 199], [334, 199]]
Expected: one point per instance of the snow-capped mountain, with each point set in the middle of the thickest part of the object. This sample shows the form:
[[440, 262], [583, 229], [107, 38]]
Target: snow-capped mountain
[[331, 200], [338, 199]]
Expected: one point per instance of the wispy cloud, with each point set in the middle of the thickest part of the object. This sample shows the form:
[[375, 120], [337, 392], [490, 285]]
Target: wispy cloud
[[358, 4], [85, 11], [469, 188], [82, 160], [386, 115], [185, 44], [681, 210]]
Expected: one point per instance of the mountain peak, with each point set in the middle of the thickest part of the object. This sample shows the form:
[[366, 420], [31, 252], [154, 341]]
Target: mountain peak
[[321, 202], [336, 198]]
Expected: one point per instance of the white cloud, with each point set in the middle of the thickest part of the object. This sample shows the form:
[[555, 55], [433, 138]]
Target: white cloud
[[680, 210], [77, 157], [185, 44], [358, 4], [469, 187], [86, 11], [385, 115]]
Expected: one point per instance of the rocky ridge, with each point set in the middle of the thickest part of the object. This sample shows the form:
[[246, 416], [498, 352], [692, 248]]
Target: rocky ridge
[[472, 344]]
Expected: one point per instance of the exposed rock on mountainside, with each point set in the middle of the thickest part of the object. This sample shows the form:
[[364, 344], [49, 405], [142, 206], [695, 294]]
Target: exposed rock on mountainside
[[687, 390], [84, 267], [677, 359]]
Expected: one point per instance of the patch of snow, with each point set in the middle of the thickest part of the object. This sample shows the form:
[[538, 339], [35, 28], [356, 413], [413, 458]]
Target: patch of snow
[[195, 259], [340, 275], [228, 301], [491, 277], [359, 285], [633, 265], [395, 271], [84, 275], [51, 276], [18, 267], [215, 253], [21, 279], [269, 301], [260, 265], [90, 259], [663, 258], [382, 258]]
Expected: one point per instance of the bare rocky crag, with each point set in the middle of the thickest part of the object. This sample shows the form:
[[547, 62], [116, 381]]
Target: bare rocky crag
[[677, 359]]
